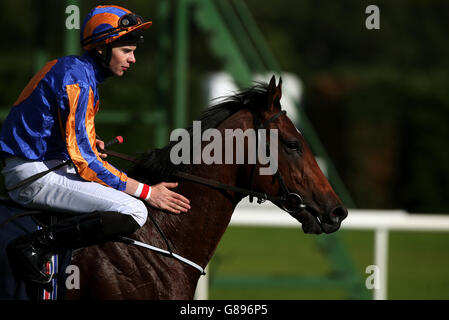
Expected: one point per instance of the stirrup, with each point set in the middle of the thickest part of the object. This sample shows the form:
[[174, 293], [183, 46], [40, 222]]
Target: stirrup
[[49, 277], [42, 279], [27, 270]]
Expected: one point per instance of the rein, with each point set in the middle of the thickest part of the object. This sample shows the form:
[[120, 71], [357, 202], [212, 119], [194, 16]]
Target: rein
[[261, 197]]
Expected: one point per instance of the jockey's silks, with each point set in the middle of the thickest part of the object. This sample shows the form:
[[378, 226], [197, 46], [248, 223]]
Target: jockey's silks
[[53, 118]]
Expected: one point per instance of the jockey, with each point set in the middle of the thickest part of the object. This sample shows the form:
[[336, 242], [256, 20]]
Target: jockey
[[51, 122]]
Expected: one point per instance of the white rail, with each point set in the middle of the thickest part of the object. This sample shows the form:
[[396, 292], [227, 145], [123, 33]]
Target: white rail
[[380, 221]]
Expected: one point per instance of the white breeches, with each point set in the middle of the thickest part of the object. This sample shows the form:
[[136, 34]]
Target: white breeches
[[65, 191]]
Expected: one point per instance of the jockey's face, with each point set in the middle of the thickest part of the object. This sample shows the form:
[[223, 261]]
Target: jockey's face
[[121, 59]]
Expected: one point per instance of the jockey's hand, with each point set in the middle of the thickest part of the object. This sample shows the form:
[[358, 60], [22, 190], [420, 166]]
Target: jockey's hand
[[165, 199], [100, 148]]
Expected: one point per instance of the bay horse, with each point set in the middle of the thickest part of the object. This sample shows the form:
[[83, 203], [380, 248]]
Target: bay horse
[[121, 271], [117, 270]]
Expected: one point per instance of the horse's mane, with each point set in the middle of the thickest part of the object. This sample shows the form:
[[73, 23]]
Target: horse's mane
[[155, 166]]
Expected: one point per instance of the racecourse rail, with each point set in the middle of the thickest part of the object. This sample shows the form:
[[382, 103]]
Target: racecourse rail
[[380, 221]]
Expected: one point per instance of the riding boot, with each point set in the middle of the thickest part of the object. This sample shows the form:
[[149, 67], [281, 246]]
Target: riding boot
[[29, 254]]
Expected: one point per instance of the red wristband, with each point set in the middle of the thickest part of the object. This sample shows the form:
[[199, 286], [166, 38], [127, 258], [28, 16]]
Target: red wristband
[[143, 191]]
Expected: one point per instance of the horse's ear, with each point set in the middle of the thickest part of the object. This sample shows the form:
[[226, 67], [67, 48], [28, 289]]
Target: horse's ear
[[274, 93], [272, 84], [280, 87]]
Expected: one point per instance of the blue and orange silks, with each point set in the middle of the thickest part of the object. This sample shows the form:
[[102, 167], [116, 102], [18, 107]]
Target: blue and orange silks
[[53, 118]]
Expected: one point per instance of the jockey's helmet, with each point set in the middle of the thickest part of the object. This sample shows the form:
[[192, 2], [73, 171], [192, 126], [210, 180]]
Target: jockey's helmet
[[107, 24]]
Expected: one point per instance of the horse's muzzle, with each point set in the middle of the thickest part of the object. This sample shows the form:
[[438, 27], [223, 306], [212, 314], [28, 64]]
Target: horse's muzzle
[[332, 221]]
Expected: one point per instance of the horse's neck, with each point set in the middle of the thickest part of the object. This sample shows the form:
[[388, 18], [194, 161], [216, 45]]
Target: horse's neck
[[197, 233]]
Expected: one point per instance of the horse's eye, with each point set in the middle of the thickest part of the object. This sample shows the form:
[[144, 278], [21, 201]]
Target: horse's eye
[[293, 145]]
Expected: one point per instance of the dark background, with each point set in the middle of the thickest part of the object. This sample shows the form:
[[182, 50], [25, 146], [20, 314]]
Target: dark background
[[378, 99]]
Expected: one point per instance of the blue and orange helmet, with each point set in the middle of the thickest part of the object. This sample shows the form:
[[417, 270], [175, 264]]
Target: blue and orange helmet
[[106, 24]]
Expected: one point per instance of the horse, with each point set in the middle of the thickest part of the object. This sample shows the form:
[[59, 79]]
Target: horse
[[121, 270]]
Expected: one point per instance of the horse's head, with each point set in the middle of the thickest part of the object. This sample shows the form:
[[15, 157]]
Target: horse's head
[[300, 185]]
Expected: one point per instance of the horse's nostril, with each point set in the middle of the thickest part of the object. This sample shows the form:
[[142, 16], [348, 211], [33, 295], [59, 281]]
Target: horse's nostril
[[338, 214]]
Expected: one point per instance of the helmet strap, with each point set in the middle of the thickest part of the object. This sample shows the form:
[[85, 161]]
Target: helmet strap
[[104, 58]]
